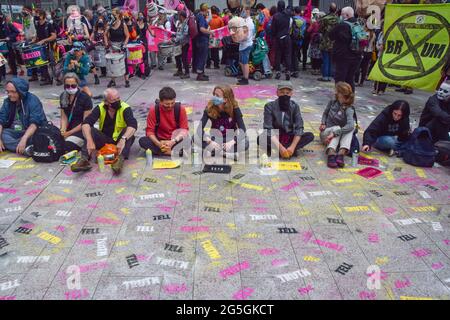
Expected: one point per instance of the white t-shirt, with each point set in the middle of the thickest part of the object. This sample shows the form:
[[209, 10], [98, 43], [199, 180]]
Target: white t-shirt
[[251, 33]]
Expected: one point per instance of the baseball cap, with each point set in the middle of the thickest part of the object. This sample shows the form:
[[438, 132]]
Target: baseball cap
[[285, 85]]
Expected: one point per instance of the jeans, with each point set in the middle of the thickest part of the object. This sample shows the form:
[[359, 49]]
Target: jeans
[[326, 65], [200, 55], [386, 143], [100, 139], [11, 138], [345, 70], [266, 65]]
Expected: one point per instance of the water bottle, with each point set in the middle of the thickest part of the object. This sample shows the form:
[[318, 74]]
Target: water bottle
[[264, 160], [196, 157], [355, 157], [101, 163], [149, 156]]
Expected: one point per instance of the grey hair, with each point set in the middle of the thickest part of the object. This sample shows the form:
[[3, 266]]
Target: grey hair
[[111, 91], [71, 75]]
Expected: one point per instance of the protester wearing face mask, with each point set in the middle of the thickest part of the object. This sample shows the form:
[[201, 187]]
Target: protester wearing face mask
[[117, 36], [389, 130], [284, 115], [78, 61], [224, 113], [338, 124], [75, 106], [167, 124], [45, 35], [28, 23], [98, 39], [142, 28], [117, 125], [436, 114]]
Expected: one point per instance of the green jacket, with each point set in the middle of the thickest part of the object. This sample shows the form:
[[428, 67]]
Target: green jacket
[[326, 24]]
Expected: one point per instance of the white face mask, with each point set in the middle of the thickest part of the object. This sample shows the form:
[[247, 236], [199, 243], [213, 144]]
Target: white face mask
[[71, 91], [443, 93]]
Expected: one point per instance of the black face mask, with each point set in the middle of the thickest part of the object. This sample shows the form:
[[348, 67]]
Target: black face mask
[[126, 20], [100, 24], [115, 105], [284, 102]]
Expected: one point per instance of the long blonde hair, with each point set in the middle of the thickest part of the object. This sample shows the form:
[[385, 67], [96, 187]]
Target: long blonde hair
[[231, 103]]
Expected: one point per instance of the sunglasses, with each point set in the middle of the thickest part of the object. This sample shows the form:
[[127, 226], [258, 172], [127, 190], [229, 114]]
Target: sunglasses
[[70, 86]]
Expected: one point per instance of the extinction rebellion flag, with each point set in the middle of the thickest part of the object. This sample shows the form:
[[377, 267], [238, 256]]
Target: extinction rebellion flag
[[416, 45]]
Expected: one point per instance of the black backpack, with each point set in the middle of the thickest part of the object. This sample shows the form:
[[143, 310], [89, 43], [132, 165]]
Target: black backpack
[[443, 156], [177, 108], [419, 150], [48, 143]]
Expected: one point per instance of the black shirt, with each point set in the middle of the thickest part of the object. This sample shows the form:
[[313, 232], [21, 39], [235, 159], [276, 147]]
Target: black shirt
[[108, 125], [44, 31], [341, 34], [280, 25], [75, 111], [117, 35]]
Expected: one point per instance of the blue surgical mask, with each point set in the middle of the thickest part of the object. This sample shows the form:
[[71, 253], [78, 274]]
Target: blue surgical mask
[[217, 101]]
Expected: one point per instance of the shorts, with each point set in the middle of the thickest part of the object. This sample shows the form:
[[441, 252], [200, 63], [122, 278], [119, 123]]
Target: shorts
[[83, 83], [244, 55]]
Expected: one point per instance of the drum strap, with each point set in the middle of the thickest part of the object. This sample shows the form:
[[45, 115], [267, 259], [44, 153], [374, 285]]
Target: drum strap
[[158, 117]]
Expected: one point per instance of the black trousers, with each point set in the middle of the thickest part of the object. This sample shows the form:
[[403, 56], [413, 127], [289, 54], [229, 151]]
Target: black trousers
[[283, 53], [295, 56], [100, 139], [12, 60], [182, 60], [361, 74], [304, 50], [71, 145], [214, 57], [306, 138], [345, 70], [439, 131]]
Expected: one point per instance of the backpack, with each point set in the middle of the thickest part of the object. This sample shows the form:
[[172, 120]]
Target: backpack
[[298, 29], [443, 153], [192, 24], [260, 51], [177, 108], [360, 38], [419, 150], [48, 143]]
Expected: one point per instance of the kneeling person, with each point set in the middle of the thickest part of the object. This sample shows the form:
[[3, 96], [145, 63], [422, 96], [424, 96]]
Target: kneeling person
[[284, 115], [117, 126], [164, 122]]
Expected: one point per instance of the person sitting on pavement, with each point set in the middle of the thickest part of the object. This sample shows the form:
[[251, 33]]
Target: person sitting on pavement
[[164, 130], [75, 106], [20, 116], [338, 124], [78, 61], [117, 125], [224, 113], [436, 114], [284, 115], [389, 130]]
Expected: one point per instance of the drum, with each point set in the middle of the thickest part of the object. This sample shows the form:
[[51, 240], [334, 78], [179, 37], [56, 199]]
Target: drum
[[177, 50], [98, 56], [134, 53], [165, 49], [3, 47], [115, 64], [34, 56]]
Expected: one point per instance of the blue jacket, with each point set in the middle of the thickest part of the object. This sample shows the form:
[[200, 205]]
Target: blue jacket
[[83, 70], [33, 112]]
